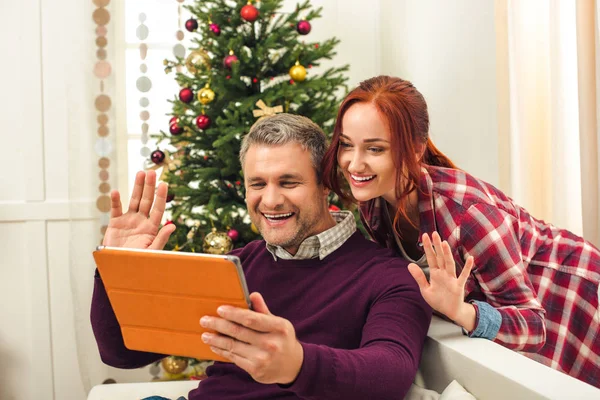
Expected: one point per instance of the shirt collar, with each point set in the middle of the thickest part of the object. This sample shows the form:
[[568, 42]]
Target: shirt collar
[[322, 244]]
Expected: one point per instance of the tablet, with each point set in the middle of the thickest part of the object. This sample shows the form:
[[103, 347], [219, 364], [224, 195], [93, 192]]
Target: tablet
[[159, 296]]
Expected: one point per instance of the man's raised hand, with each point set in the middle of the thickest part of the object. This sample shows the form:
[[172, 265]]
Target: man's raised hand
[[139, 227]]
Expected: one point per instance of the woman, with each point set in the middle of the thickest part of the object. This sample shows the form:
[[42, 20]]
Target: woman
[[494, 269]]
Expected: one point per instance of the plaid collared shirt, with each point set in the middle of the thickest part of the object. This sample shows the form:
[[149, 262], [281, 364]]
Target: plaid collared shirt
[[543, 280], [324, 243]]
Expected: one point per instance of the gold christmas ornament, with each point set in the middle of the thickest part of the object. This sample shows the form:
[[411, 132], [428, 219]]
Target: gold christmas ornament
[[170, 163], [298, 72], [174, 365], [217, 243], [206, 95], [266, 111], [192, 232], [254, 228], [197, 59]]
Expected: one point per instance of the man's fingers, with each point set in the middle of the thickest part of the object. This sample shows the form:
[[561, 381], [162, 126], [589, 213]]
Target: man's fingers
[[159, 204], [258, 303], [162, 237], [148, 194], [229, 344], [419, 276], [238, 360], [136, 194], [231, 329], [116, 208], [251, 319], [466, 272]]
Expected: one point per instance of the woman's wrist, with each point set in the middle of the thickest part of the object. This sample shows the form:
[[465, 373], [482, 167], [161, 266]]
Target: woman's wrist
[[466, 316]]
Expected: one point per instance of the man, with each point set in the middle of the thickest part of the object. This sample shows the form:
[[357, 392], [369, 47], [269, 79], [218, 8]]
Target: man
[[345, 320]]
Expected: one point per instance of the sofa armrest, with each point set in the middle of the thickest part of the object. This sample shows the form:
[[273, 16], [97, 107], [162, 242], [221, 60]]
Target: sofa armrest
[[136, 391], [490, 371]]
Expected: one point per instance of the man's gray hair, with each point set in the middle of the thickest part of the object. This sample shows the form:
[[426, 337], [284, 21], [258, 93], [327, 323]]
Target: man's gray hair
[[281, 129]]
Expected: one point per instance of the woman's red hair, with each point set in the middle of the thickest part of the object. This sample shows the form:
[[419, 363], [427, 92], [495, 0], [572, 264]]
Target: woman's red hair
[[404, 111]]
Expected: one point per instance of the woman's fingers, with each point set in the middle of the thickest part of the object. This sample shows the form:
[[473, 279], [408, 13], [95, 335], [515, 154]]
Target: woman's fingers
[[448, 259], [464, 275], [429, 252], [439, 254], [419, 276]]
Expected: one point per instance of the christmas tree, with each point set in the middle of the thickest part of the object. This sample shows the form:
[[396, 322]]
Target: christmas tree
[[247, 55], [248, 61]]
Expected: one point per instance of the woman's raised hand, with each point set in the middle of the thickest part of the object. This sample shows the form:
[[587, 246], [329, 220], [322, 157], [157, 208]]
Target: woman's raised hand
[[139, 227], [445, 292]]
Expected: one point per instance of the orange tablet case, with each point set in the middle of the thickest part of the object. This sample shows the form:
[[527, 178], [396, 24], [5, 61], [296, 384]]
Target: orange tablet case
[[160, 296]]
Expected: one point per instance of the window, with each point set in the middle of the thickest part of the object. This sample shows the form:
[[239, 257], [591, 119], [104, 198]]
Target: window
[[159, 24]]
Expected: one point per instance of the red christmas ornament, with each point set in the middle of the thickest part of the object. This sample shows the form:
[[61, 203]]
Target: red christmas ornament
[[249, 13], [191, 24], [291, 81], [303, 27], [174, 120], [169, 222], [228, 77], [254, 80], [170, 198], [216, 29], [203, 121], [233, 234], [333, 207], [175, 129], [316, 45], [157, 156], [186, 95], [230, 59], [238, 183]]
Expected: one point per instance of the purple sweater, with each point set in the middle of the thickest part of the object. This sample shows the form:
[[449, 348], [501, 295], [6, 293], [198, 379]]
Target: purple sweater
[[357, 313]]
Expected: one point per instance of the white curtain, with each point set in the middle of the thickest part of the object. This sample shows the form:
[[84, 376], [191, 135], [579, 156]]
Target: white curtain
[[547, 80]]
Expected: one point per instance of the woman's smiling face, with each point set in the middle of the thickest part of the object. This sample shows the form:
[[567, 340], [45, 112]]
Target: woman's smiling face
[[364, 154]]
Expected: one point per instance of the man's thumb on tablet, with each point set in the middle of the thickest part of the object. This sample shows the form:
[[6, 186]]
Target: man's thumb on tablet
[[258, 303]]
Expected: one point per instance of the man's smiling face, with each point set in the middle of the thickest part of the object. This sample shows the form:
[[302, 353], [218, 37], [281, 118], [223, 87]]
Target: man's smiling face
[[284, 200]]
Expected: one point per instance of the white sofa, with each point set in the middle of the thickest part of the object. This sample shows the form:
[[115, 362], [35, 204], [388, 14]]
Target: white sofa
[[486, 370]]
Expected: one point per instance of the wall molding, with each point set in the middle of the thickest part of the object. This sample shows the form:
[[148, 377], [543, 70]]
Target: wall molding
[[51, 210]]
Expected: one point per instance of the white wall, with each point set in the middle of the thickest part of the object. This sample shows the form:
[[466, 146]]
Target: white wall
[[447, 49], [356, 24], [48, 218]]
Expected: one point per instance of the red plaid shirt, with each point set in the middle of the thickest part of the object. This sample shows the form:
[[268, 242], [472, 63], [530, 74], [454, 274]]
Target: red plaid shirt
[[543, 280]]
